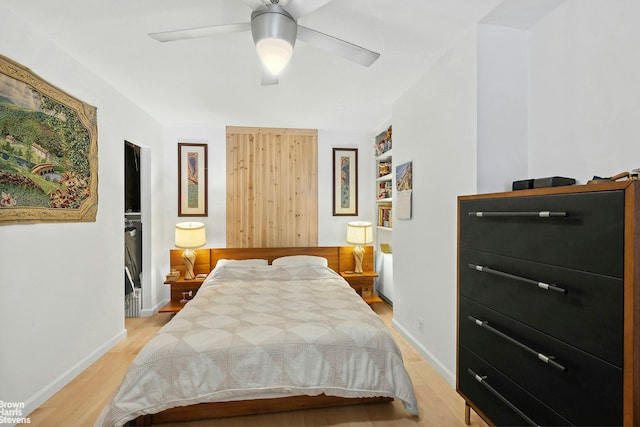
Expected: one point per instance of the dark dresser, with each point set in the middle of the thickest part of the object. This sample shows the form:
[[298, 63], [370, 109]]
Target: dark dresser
[[548, 305]]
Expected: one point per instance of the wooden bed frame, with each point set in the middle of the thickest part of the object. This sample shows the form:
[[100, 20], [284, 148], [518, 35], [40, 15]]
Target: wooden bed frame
[[340, 258]]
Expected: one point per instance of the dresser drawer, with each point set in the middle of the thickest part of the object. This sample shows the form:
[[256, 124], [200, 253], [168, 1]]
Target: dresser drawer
[[589, 315], [497, 392], [589, 238], [519, 352]]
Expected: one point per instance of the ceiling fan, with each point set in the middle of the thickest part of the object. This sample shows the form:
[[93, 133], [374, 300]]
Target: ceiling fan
[[275, 30]]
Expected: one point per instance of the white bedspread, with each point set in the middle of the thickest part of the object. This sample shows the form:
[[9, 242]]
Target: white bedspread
[[297, 330]]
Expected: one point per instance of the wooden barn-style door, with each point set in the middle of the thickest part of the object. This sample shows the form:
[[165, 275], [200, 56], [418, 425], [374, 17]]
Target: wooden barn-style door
[[272, 187]]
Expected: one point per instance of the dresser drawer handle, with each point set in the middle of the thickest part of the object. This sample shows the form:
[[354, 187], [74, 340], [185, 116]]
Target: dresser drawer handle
[[542, 357], [541, 285], [539, 214], [483, 381]]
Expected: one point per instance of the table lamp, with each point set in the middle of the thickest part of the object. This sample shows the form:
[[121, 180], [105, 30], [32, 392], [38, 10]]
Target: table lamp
[[190, 235], [359, 233]]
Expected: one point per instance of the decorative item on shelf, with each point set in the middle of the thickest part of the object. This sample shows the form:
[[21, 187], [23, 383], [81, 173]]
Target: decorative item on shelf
[[384, 190], [367, 291], [185, 296], [173, 276], [189, 235], [633, 175], [384, 168], [385, 218], [359, 233], [384, 144]]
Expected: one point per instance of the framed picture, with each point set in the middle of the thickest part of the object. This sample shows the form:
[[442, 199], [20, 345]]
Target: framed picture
[[404, 188], [48, 151], [345, 181], [404, 176], [192, 179]]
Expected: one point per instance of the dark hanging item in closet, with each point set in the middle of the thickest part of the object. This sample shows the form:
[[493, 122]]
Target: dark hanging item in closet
[[133, 250], [128, 282], [131, 178]]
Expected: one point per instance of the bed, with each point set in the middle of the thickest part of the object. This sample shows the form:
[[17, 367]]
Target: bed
[[276, 331]]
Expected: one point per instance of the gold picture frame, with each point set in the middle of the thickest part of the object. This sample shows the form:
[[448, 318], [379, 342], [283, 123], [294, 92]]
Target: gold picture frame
[[192, 179], [48, 151]]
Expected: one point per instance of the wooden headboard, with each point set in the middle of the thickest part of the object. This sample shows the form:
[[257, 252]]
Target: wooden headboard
[[340, 258]]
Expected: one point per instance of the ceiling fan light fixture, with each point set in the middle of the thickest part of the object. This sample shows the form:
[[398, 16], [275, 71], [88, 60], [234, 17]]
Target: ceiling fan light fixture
[[274, 33], [274, 54]]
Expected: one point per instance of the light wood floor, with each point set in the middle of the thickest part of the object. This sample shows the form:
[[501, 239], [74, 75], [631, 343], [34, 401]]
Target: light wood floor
[[82, 400]]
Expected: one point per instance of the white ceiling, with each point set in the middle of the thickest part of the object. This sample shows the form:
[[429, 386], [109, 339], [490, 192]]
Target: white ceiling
[[215, 81]]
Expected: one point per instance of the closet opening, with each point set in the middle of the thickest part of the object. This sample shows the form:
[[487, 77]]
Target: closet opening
[[132, 231]]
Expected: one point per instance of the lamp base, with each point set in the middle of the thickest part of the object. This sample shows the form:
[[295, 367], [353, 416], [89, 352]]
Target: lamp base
[[358, 255], [189, 260]]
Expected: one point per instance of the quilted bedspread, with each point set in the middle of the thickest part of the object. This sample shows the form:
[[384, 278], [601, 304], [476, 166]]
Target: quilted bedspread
[[264, 331]]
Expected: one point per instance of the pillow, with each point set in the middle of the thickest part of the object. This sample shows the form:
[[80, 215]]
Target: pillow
[[301, 260], [242, 262]]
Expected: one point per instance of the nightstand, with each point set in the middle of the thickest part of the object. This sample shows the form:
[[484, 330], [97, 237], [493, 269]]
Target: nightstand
[[177, 288], [363, 284]]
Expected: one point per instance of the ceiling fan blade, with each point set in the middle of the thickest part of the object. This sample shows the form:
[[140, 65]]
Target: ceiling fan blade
[[193, 33], [340, 47], [268, 79], [299, 8]]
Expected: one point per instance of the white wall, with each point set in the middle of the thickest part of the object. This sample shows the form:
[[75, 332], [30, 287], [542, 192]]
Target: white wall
[[331, 230], [434, 126], [557, 96], [585, 90], [503, 98], [62, 284], [215, 222]]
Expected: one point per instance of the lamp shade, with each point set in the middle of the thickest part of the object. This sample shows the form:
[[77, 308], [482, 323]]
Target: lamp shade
[[274, 54], [359, 232], [190, 235], [274, 33]]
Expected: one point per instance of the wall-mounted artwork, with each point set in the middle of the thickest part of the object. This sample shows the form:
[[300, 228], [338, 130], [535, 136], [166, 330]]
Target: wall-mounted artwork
[[345, 181], [404, 176], [48, 151], [192, 179], [404, 187]]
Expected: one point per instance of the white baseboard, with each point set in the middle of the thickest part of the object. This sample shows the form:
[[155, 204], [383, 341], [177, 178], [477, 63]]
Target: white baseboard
[[449, 376], [57, 384], [148, 312]]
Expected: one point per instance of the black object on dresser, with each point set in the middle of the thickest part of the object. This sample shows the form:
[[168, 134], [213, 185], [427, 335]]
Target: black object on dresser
[[548, 303]]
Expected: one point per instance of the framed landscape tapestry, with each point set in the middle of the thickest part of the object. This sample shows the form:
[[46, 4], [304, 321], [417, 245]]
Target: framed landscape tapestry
[[192, 179], [345, 181], [48, 151]]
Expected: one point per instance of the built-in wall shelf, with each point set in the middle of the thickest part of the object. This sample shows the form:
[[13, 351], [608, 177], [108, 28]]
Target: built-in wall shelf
[[383, 210], [386, 155], [384, 180]]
